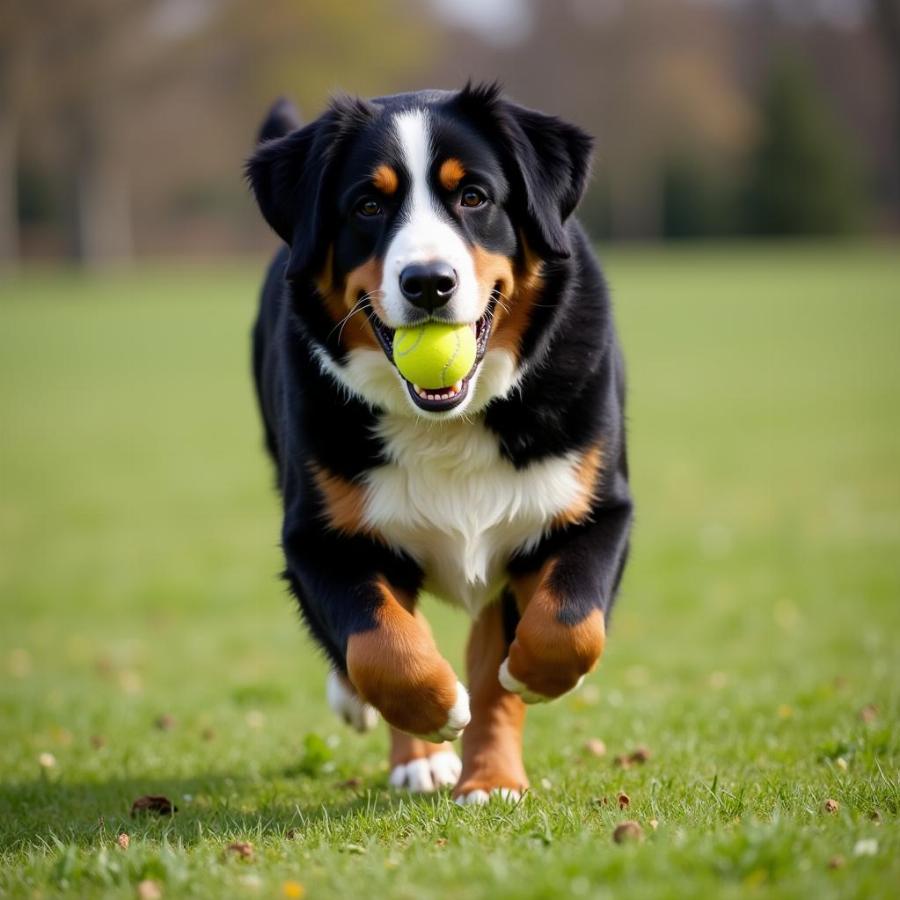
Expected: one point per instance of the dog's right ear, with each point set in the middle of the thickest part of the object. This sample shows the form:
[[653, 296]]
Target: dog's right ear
[[282, 119], [291, 178]]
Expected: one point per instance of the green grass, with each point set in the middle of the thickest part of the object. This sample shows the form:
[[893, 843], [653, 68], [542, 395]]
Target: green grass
[[760, 613]]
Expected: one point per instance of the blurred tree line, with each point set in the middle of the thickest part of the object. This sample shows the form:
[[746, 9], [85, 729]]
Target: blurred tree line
[[124, 123]]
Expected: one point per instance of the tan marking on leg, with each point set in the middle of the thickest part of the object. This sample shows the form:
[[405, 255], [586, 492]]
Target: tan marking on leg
[[548, 656], [398, 669], [384, 179], [588, 475], [492, 743], [451, 173]]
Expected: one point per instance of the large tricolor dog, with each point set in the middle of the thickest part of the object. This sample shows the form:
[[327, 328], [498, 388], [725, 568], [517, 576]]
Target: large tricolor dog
[[504, 493]]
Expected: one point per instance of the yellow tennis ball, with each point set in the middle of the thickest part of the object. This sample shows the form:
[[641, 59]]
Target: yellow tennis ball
[[434, 355]]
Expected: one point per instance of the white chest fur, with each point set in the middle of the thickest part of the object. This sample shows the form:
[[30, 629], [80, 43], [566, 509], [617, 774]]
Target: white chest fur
[[450, 500]]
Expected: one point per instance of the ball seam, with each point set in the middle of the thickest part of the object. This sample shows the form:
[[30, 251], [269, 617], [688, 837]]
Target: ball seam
[[451, 360]]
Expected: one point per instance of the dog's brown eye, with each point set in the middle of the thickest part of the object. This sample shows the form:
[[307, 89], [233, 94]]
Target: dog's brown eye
[[368, 208], [472, 197]]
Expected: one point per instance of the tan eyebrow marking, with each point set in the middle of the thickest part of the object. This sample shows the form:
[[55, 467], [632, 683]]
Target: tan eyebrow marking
[[451, 173], [385, 179]]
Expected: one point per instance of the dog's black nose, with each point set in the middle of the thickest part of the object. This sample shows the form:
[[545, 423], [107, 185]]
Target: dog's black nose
[[428, 285]]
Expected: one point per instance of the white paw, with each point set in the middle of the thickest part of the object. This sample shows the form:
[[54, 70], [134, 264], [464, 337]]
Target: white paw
[[480, 797], [349, 705], [514, 686], [429, 773], [457, 719]]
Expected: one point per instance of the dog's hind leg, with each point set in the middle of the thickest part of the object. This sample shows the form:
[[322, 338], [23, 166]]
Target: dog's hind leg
[[492, 744]]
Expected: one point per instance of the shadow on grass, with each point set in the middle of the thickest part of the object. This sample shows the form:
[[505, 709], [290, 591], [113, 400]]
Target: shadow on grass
[[39, 812]]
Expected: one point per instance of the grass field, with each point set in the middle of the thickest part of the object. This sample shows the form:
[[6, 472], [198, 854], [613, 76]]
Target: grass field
[[146, 646]]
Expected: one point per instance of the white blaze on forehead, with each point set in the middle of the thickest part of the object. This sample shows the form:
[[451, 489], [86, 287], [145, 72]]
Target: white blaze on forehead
[[414, 137], [426, 233]]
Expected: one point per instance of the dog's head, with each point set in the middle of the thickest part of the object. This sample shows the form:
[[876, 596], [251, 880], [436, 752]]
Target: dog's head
[[439, 206]]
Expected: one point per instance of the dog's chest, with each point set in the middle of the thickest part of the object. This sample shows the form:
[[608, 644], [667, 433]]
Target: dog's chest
[[452, 502]]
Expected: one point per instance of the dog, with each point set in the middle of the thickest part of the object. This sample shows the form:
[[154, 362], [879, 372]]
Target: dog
[[506, 494]]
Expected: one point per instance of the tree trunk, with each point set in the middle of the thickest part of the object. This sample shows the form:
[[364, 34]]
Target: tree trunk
[[888, 26], [100, 199], [636, 208], [9, 213]]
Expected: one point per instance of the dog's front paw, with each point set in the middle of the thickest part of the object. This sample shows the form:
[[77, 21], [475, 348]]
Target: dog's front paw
[[549, 658], [410, 684], [514, 686], [348, 705], [457, 718]]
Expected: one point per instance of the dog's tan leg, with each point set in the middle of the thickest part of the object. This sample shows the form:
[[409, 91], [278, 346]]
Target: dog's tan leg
[[397, 668], [492, 744]]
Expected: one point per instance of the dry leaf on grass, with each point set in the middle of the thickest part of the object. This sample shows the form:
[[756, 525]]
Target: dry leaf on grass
[[639, 755], [165, 722], [837, 862], [869, 713], [832, 806], [123, 840], [628, 831], [623, 800], [155, 803], [242, 849], [595, 747]]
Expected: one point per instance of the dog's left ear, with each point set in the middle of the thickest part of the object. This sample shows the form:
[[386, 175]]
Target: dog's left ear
[[292, 177], [550, 158]]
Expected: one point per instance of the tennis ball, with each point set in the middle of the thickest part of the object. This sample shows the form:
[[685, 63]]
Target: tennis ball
[[434, 355]]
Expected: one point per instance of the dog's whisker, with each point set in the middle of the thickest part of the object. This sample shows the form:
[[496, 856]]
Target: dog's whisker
[[347, 319], [359, 306]]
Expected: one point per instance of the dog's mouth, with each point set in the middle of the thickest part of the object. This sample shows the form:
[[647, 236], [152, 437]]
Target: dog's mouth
[[442, 399]]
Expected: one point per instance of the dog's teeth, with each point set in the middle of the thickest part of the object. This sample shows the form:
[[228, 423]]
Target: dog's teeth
[[417, 389], [458, 386]]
